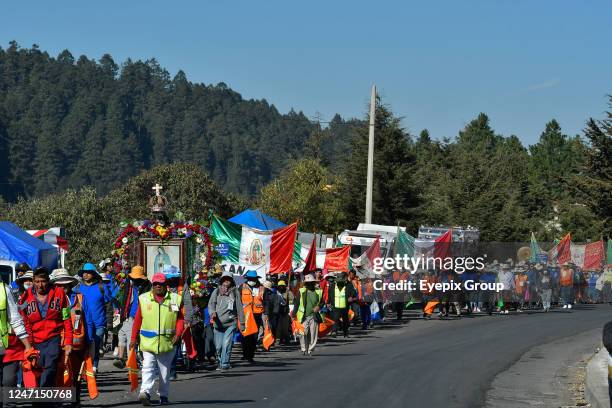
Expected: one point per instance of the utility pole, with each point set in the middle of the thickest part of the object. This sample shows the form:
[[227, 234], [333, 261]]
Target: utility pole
[[370, 180]]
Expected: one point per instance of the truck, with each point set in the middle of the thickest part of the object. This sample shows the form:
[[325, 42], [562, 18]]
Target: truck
[[365, 235]]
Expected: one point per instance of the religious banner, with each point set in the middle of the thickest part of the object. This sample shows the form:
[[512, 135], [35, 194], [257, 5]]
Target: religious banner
[[253, 249], [593, 255]]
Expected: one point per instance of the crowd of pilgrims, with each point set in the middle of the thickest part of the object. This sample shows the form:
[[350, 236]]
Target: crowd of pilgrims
[[58, 319]]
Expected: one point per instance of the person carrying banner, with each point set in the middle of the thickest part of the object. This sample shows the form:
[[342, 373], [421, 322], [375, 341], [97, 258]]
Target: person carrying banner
[[158, 327], [306, 307], [46, 313]]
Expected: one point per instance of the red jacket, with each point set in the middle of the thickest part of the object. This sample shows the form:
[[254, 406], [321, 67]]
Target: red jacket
[[42, 329]]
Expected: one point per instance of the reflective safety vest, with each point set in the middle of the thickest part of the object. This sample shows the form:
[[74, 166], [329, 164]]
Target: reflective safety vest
[[4, 325], [301, 309], [78, 325], [248, 300], [158, 322], [339, 297]]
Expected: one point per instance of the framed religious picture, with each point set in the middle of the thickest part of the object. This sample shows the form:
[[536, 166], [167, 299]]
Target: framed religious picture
[[155, 254]]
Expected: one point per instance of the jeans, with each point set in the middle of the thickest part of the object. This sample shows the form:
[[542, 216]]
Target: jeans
[[98, 336], [567, 295], [366, 316], [223, 343], [546, 296]]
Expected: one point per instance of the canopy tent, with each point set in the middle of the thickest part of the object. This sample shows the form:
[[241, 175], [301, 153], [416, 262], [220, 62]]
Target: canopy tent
[[17, 245], [257, 219]]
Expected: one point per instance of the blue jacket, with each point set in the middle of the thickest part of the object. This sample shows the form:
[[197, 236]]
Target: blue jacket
[[94, 301]]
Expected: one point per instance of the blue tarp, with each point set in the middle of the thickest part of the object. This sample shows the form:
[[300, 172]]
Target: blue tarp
[[17, 245], [257, 219]]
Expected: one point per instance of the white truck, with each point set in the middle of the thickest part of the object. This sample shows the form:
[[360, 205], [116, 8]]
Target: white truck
[[7, 271], [365, 235]]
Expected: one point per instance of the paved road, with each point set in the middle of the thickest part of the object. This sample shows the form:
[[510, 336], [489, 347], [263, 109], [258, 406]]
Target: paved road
[[416, 363]]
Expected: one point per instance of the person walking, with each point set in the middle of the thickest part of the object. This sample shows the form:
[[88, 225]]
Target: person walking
[[306, 310], [286, 298], [157, 329], [340, 295], [566, 281], [546, 287], [46, 312], [225, 309], [96, 296], [13, 337], [136, 284], [251, 296]]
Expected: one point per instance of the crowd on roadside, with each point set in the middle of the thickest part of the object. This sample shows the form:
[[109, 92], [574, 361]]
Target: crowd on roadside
[[56, 325]]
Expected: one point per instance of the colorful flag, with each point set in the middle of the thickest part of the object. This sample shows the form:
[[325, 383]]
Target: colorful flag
[[364, 265], [252, 249], [561, 252], [332, 259], [593, 255], [535, 250], [443, 245], [404, 244]]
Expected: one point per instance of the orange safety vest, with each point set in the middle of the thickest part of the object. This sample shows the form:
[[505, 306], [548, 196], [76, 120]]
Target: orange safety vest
[[429, 279], [566, 277], [357, 285], [519, 289], [255, 301], [78, 324]]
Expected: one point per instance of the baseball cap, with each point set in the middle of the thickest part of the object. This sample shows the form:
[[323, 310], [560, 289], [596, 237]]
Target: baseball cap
[[159, 278]]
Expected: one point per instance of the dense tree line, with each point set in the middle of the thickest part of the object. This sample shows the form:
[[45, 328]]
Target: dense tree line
[[67, 125]]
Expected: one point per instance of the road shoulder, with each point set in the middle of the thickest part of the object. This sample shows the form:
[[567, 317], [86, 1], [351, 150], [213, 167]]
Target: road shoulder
[[549, 375]]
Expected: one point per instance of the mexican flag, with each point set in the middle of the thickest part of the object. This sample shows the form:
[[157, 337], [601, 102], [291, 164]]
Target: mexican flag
[[309, 257], [243, 248], [364, 264]]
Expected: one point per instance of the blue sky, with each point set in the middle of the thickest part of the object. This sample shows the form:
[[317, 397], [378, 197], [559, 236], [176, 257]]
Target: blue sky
[[437, 63]]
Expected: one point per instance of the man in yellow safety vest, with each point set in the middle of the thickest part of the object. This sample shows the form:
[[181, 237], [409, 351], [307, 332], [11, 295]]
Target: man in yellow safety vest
[[306, 311], [158, 326]]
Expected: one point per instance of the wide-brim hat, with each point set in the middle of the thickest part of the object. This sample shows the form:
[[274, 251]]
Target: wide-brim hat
[[137, 272], [62, 276], [27, 275], [310, 278], [88, 268], [104, 277], [251, 275], [227, 275]]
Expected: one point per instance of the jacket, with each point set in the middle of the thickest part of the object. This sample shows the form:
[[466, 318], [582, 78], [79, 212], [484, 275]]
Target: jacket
[[220, 305]]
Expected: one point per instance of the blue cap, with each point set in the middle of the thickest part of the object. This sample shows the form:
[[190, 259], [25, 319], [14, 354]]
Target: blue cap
[[251, 275], [171, 271], [88, 267]]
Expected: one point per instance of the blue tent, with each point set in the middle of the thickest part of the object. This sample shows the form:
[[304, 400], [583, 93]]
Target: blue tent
[[257, 219], [17, 245]]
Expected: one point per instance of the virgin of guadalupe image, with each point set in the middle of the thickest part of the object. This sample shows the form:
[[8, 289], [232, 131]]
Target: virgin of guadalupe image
[[161, 259], [256, 254]]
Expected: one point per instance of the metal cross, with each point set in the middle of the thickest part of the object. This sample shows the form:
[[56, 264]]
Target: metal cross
[[157, 188]]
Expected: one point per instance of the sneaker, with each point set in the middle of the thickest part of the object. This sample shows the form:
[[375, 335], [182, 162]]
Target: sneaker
[[144, 398], [569, 306], [116, 352], [310, 354], [119, 363], [218, 369], [163, 401]]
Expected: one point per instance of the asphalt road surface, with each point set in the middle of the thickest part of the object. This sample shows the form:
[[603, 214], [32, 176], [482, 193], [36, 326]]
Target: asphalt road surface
[[414, 363]]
